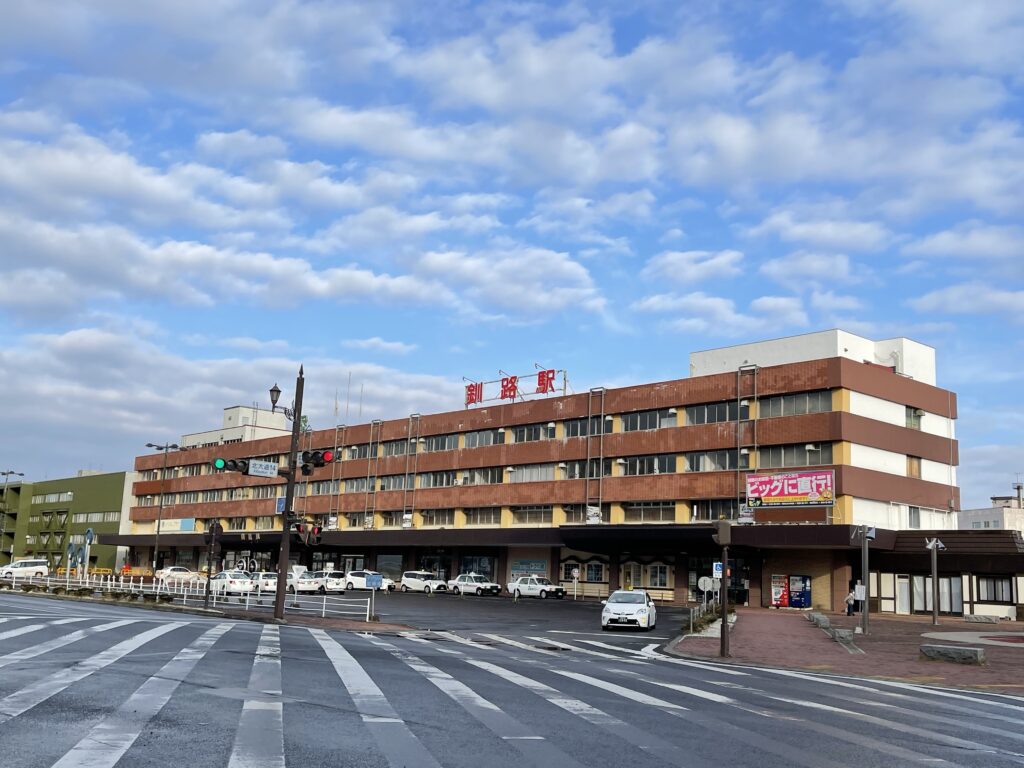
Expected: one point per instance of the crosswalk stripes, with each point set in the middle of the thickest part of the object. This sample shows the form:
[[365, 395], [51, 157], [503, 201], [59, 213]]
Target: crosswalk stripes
[[259, 740], [534, 747], [107, 742], [599, 703], [396, 741]]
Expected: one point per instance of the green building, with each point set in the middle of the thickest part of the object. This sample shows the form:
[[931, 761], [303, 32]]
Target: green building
[[50, 515], [11, 499]]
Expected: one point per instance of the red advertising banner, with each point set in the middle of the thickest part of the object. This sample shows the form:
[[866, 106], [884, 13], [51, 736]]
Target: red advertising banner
[[815, 488]]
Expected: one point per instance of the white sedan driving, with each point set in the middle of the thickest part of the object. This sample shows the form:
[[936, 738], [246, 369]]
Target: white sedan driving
[[176, 574], [629, 608]]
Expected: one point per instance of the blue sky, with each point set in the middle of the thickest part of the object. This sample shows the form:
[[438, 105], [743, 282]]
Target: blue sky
[[195, 197]]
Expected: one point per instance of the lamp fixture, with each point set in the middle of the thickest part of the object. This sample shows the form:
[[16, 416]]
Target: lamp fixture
[[811, 447]]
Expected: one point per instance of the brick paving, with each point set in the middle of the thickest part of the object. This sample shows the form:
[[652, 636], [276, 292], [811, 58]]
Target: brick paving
[[891, 650]]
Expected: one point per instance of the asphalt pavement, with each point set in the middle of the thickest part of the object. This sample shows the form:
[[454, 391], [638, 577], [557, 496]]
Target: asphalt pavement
[[87, 686]]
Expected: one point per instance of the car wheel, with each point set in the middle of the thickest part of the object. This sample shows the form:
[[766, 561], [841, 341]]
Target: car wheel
[[426, 590], [291, 590], [604, 627], [560, 595], [405, 588], [543, 594], [456, 591], [518, 594], [321, 590], [479, 591], [349, 586]]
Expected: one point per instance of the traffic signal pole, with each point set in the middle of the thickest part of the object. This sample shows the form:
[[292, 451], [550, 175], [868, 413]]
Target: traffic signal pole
[[289, 496]]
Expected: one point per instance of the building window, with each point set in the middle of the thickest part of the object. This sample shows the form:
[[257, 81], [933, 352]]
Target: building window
[[796, 405], [169, 499], [713, 509], [483, 516], [576, 514], [531, 514], [715, 413], [236, 523], [714, 461], [264, 523], [661, 464], [484, 476], [532, 473], [914, 466], [31, 540], [395, 482], [595, 572], [598, 468], [436, 443], [53, 498], [112, 517], [37, 518], [914, 417], [567, 569], [359, 484], [650, 511], [995, 589], [319, 488], [799, 455], [584, 427], [399, 447], [265, 491], [976, 524], [354, 520], [913, 517], [390, 519], [443, 479], [484, 438], [644, 420], [193, 470], [237, 494], [211, 496], [362, 451], [438, 517], [190, 497], [144, 475], [528, 433], [987, 523], [657, 576]]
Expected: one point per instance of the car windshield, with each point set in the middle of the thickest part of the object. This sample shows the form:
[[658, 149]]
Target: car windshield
[[627, 597]]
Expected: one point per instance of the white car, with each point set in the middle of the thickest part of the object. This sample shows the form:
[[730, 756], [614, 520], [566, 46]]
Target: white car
[[23, 569], [267, 581], [176, 574], [357, 580], [334, 581], [310, 581], [473, 584], [535, 586], [422, 581], [231, 583], [629, 608]]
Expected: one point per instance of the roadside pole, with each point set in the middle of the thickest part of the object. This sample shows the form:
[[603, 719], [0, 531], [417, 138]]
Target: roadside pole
[[723, 537], [935, 545], [867, 534], [289, 496]]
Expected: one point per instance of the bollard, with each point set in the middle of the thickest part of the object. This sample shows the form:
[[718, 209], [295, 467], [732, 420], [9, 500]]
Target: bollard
[[323, 608]]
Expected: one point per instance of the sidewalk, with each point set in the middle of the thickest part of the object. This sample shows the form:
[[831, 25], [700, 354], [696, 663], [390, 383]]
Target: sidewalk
[[891, 650]]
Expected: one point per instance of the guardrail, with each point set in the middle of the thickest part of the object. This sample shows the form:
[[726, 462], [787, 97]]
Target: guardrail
[[194, 592]]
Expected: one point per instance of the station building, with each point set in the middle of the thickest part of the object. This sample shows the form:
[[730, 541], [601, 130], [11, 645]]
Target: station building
[[619, 487]]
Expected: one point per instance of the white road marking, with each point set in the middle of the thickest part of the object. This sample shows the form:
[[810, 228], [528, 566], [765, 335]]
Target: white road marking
[[39, 691], [60, 642], [259, 739], [422, 640], [535, 748], [517, 644], [587, 651], [462, 640], [36, 627], [107, 742], [399, 744], [626, 693], [711, 667], [715, 697], [600, 634]]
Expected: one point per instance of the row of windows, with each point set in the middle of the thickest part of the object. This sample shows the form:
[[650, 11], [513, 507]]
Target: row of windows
[[96, 517], [53, 498]]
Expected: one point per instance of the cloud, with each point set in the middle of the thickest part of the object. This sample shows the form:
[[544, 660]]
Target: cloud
[[802, 266], [972, 240], [693, 266], [829, 301], [239, 146], [972, 298], [825, 233], [377, 344], [784, 310], [718, 316]]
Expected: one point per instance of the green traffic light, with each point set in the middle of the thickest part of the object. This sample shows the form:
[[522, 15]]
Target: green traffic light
[[218, 463]]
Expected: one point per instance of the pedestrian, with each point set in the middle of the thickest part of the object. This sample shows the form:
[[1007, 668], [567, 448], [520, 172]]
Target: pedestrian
[[850, 600]]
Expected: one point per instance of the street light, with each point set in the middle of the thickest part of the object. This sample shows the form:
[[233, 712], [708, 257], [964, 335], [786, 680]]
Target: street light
[[3, 528], [289, 493], [160, 509]]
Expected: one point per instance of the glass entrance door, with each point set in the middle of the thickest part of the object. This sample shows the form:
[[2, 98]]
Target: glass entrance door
[[903, 594]]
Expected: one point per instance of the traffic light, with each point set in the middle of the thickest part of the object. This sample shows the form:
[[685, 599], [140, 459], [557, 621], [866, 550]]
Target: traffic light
[[314, 535], [302, 529], [231, 465], [318, 458]]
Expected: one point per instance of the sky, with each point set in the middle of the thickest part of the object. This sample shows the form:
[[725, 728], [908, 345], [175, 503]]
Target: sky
[[198, 196]]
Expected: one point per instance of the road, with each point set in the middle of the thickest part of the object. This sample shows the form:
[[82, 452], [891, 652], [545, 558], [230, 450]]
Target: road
[[87, 686]]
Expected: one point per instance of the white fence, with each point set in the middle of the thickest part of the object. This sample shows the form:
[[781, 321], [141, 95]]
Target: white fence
[[194, 594]]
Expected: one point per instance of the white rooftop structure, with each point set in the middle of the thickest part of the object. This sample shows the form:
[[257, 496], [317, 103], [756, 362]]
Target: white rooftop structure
[[241, 423], [908, 358]]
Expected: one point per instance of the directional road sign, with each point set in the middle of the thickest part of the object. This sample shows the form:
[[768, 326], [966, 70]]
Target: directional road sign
[[263, 468]]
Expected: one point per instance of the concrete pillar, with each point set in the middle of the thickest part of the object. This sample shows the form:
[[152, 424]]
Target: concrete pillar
[[755, 570], [613, 572], [842, 576], [501, 570], [554, 566], [681, 576]]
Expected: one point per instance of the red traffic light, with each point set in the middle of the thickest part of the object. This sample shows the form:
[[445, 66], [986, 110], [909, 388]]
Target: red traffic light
[[327, 456]]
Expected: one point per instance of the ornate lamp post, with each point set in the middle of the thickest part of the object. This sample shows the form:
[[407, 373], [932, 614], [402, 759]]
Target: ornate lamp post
[[289, 494]]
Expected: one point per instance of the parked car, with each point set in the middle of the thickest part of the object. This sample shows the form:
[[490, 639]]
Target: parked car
[[334, 581], [311, 581], [535, 586], [231, 583], [422, 581], [629, 608], [267, 581], [473, 584], [357, 580], [176, 574], [23, 569]]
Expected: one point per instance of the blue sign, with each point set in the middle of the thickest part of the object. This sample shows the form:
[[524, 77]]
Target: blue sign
[[374, 581], [280, 505], [716, 570]]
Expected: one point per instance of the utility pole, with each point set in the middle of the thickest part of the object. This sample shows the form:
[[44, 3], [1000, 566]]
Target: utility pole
[[214, 530], [289, 495], [866, 535], [935, 545], [723, 537], [160, 508]]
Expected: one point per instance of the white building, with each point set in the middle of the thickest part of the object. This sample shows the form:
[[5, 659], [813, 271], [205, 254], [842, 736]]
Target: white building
[[241, 424], [1006, 513]]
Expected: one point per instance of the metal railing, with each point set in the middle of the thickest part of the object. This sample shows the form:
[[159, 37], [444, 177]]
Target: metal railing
[[194, 593]]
